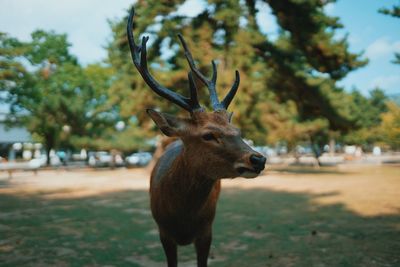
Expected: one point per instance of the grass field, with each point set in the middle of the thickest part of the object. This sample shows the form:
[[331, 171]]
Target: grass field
[[346, 216]]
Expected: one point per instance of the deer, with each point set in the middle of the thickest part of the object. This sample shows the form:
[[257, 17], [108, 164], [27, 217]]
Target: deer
[[185, 182]]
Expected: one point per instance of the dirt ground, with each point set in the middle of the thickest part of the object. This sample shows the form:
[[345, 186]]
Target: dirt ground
[[365, 189], [289, 216]]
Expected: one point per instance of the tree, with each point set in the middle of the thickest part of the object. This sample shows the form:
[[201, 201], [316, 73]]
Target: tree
[[58, 101], [289, 83], [307, 61], [14, 76], [367, 118], [390, 127], [394, 12], [288, 86], [40, 99]]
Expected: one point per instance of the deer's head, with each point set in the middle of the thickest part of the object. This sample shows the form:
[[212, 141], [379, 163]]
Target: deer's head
[[209, 138]]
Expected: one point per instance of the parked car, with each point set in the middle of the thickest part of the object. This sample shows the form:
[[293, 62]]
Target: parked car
[[103, 159], [265, 151], [138, 159], [42, 160]]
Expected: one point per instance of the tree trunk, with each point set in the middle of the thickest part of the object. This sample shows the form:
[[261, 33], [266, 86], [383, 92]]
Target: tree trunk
[[332, 145], [49, 140], [317, 152], [49, 148]]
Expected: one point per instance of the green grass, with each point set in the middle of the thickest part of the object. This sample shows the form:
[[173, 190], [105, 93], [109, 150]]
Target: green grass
[[252, 228]]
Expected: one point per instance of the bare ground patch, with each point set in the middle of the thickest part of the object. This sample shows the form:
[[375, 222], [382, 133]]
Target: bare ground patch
[[340, 217]]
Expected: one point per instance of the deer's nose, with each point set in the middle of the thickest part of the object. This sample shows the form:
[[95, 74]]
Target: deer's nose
[[258, 162]]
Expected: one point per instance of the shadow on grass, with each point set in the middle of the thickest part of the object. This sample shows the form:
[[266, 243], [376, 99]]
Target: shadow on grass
[[252, 228], [5, 183]]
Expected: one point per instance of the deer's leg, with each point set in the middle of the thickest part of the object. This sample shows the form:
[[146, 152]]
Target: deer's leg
[[202, 245], [170, 250]]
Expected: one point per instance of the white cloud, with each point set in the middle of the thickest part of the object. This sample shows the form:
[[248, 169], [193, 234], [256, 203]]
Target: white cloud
[[354, 40], [191, 8], [266, 20], [329, 9], [85, 22], [382, 47]]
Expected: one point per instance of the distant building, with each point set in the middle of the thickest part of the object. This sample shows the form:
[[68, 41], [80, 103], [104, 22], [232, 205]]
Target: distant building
[[11, 135]]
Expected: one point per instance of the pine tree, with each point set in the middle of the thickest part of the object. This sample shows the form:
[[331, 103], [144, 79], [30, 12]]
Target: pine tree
[[289, 83]]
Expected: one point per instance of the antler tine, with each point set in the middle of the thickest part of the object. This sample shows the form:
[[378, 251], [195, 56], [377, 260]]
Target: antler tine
[[209, 83], [231, 94], [193, 92], [139, 58], [135, 50]]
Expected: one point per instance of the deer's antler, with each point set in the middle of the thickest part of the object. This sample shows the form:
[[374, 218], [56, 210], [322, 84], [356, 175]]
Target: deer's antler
[[210, 84], [139, 57]]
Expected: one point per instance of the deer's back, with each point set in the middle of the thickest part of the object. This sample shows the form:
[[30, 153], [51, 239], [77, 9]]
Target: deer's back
[[165, 161]]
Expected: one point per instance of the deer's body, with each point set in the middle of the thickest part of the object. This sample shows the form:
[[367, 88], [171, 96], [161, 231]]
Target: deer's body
[[185, 182], [189, 209]]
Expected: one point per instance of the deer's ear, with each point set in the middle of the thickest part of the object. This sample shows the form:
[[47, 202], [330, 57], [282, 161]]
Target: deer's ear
[[168, 124]]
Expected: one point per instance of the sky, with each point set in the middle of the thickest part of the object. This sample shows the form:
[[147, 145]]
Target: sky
[[85, 22]]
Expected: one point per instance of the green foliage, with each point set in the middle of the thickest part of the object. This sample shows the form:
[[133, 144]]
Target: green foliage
[[62, 104], [311, 32], [394, 11], [397, 58], [286, 84], [14, 77], [49, 48], [366, 112], [288, 88], [390, 127]]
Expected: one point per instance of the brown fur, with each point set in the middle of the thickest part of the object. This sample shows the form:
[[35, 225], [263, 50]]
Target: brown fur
[[185, 182]]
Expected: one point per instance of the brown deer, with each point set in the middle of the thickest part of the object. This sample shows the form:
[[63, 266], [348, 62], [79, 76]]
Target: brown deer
[[185, 182]]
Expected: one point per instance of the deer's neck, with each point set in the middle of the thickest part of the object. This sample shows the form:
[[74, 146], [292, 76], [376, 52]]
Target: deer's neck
[[179, 176], [188, 182], [193, 177]]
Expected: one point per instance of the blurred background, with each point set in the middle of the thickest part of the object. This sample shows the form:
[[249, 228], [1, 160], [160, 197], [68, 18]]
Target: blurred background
[[317, 76], [319, 96]]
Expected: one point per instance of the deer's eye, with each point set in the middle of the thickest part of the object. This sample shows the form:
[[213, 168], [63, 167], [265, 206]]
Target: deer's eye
[[209, 137]]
